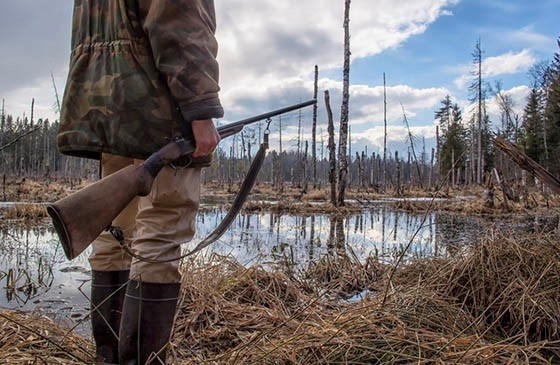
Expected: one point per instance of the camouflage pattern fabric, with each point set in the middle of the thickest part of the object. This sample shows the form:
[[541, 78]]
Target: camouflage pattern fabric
[[140, 71]]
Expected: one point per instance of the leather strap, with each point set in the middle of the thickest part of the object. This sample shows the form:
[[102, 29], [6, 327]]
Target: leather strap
[[238, 202]]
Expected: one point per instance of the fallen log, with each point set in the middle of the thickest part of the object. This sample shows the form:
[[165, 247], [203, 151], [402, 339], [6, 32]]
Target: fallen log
[[527, 163]]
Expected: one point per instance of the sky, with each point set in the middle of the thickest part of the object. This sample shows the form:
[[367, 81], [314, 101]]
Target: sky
[[268, 50]]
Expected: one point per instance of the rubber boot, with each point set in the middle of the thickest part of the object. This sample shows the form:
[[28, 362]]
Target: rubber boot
[[106, 307], [148, 313]]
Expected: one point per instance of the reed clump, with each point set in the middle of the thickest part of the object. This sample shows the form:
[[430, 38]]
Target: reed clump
[[510, 283]]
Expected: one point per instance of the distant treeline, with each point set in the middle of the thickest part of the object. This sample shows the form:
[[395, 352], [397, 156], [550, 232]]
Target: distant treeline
[[464, 154]]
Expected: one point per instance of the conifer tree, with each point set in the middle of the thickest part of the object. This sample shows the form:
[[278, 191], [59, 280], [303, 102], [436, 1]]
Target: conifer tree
[[453, 140]]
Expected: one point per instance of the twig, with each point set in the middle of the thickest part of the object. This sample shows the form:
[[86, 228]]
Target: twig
[[18, 138]]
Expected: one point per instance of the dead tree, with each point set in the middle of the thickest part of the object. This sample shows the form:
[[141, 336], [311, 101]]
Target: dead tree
[[281, 171], [398, 167], [314, 130], [304, 169], [343, 136], [296, 177], [332, 148], [384, 173], [412, 148]]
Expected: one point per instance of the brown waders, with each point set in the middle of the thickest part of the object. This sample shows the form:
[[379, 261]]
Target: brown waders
[[154, 226]]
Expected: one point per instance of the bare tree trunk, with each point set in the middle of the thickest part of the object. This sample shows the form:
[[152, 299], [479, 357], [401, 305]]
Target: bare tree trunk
[[438, 157], [322, 159], [361, 161], [472, 161], [314, 130], [528, 164], [2, 121], [413, 151], [453, 168], [281, 172], [332, 149], [275, 170], [2, 126], [398, 166], [304, 169], [350, 165], [343, 136], [56, 95], [430, 180], [297, 166], [32, 157], [480, 157], [384, 184]]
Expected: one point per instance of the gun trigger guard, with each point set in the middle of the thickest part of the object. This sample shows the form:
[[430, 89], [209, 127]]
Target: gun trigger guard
[[182, 162], [117, 233]]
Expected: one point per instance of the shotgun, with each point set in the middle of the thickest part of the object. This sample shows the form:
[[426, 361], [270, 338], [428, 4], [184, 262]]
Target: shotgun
[[80, 217]]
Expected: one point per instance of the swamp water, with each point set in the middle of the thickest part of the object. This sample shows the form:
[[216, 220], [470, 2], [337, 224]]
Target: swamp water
[[36, 276]]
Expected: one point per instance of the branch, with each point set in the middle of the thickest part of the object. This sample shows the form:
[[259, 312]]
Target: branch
[[18, 138]]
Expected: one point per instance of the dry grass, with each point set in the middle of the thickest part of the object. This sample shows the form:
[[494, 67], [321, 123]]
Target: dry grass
[[492, 306], [24, 212], [512, 284], [498, 302], [265, 197], [28, 339], [36, 191]]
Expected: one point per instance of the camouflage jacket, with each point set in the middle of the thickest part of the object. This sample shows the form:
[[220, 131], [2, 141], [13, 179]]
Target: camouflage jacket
[[140, 71]]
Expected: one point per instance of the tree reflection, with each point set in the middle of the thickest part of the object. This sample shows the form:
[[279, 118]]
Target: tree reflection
[[26, 268]]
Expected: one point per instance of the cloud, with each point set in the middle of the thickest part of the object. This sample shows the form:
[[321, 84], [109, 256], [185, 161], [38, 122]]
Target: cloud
[[397, 139], [528, 36], [287, 38], [18, 102], [508, 63], [35, 40], [267, 50], [366, 113], [267, 59], [366, 102]]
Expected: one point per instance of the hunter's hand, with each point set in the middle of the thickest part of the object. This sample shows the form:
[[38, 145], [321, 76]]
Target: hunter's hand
[[206, 137]]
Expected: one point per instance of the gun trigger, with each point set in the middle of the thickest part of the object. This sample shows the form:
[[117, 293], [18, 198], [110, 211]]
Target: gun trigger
[[174, 167]]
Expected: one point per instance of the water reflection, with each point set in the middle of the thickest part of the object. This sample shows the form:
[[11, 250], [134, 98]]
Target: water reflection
[[35, 275], [301, 239]]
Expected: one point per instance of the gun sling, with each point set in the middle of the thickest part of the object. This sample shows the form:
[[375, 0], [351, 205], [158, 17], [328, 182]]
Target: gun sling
[[238, 202]]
